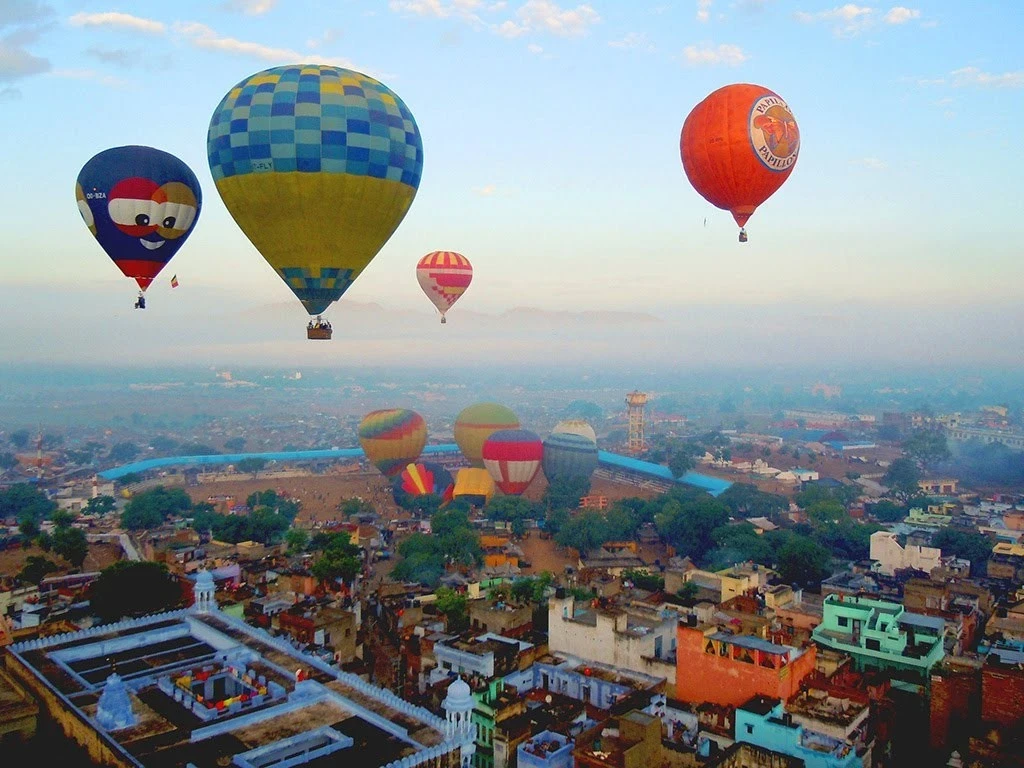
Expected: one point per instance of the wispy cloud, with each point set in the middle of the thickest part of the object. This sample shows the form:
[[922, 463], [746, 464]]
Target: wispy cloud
[[90, 75], [488, 190], [632, 41], [900, 15], [871, 163], [119, 21], [22, 22], [852, 19], [703, 10], [535, 49], [849, 19], [707, 54], [972, 76], [546, 16], [119, 57], [203, 37], [250, 7], [9, 94]]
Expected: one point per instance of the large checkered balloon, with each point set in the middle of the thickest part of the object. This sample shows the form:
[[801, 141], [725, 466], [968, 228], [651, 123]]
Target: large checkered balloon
[[318, 165]]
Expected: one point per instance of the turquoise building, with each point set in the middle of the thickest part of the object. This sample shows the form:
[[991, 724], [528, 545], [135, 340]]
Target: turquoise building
[[884, 636], [765, 723]]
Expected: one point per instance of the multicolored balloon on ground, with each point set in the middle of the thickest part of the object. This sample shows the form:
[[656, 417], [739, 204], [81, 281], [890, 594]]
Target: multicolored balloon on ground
[[425, 479], [392, 438], [444, 276], [141, 204], [576, 427], [512, 457], [474, 486], [318, 165], [478, 422], [738, 146], [569, 457]]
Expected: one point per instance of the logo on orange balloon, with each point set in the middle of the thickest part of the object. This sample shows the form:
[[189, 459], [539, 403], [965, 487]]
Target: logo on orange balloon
[[773, 133]]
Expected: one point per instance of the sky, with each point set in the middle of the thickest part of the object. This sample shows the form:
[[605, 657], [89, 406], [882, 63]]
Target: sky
[[551, 160]]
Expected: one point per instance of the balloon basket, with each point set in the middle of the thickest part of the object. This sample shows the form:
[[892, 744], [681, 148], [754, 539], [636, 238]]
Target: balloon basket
[[319, 333], [443, 320]]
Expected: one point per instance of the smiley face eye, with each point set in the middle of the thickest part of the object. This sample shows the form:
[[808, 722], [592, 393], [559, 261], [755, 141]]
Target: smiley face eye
[[142, 220], [169, 222]]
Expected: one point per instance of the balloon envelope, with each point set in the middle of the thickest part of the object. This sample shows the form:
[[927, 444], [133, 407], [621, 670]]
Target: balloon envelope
[[424, 479], [473, 485], [738, 146], [576, 427], [141, 204], [569, 457], [444, 276], [392, 438], [478, 422], [512, 457], [318, 165]]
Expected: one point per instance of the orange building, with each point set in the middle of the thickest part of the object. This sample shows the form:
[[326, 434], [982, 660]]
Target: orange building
[[722, 668]]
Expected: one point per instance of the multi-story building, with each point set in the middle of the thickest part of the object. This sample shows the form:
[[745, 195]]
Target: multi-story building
[[722, 668], [632, 740], [744, 579], [1007, 562], [481, 658], [546, 750], [642, 639], [500, 617], [883, 635], [768, 724], [323, 626], [889, 556]]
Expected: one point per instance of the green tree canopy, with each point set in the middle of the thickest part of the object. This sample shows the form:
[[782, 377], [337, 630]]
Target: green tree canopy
[[8, 460], [746, 500], [36, 568], [453, 605], [100, 505], [565, 493], [887, 511], [123, 452], [901, 478], [150, 508], [926, 447], [235, 444], [25, 501], [252, 465], [297, 539], [967, 545], [129, 588], [71, 544], [803, 561], [19, 438]]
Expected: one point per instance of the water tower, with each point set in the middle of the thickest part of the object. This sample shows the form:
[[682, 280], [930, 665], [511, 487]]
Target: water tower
[[635, 402]]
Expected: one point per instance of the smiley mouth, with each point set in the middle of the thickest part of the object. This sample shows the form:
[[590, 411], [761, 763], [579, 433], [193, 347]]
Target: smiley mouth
[[151, 245]]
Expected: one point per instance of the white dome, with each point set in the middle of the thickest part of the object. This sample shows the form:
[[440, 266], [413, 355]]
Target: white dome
[[459, 698], [204, 579], [576, 427]]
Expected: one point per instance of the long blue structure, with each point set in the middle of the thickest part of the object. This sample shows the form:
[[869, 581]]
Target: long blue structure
[[712, 485]]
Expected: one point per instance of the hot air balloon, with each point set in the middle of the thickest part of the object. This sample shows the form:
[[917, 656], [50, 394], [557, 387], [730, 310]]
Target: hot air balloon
[[474, 486], [512, 457], [423, 479], [318, 165], [576, 427], [569, 457], [738, 147], [141, 204], [444, 276], [476, 423], [392, 438]]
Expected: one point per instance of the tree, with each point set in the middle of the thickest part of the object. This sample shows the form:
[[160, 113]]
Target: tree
[[71, 544], [680, 462], [8, 461], [62, 518], [746, 500], [123, 453], [100, 505], [163, 444], [453, 605], [886, 511], [902, 477], [251, 465], [803, 561], [296, 539], [36, 568], [134, 588], [565, 492], [235, 444], [28, 527], [583, 533], [19, 439], [131, 478], [926, 447], [150, 508], [652, 582], [25, 501], [824, 512], [688, 525], [975, 547]]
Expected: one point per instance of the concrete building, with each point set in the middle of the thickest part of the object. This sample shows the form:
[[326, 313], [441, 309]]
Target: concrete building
[[939, 486], [1007, 562], [500, 617], [888, 555], [546, 750], [723, 668], [744, 579], [766, 723], [205, 689], [641, 639], [481, 658], [630, 741], [322, 626], [884, 636], [743, 754]]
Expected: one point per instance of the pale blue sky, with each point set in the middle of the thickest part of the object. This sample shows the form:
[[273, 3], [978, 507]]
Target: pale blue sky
[[550, 133]]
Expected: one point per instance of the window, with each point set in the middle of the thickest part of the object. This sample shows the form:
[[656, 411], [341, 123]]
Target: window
[[750, 728], [843, 621], [348, 632], [872, 645]]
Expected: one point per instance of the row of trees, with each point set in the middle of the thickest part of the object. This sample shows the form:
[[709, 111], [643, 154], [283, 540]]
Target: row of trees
[[453, 541]]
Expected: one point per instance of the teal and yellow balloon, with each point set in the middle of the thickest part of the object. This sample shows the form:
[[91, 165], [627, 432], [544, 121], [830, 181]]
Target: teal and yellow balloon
[[318, 165]]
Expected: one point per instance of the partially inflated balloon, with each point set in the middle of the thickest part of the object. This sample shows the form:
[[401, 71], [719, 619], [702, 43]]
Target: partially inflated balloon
[[473, 485], [738, 146], [444, 276], [425, 479], [318, 165], [569, 457], [478, 422], [141, 204], [392, 438], [576, 427], [512, 457]]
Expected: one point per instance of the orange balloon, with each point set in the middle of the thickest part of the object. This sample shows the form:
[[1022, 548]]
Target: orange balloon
[[738, 147]]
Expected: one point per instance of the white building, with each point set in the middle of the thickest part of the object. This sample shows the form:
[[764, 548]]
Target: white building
[[888, 555]]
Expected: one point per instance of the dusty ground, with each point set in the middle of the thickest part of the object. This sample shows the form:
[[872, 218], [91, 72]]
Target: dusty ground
[[99, 557]]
